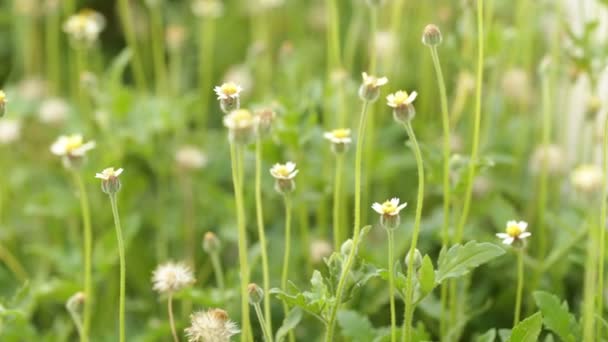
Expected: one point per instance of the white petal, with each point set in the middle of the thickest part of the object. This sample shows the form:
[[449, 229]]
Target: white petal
[[290, 166], [365, 76], [523, 225], [395, 201], [399, 208], [508, 241], [293, 174], [512, 222], [503, 236], [382, 81], [118, 172], [412, 97], [328, 135], [524, 235], [378, 208], [101, 176]]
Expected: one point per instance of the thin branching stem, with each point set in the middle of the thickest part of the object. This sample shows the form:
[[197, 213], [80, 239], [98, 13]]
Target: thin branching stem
[[123, 268]]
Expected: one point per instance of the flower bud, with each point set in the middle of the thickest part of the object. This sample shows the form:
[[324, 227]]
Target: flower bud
[[76, 302], [431, 36], [256, 294], [110, 183], [417, 260], [265, 119], [346, 247], [211, 243], [370, 88], [403, 105]]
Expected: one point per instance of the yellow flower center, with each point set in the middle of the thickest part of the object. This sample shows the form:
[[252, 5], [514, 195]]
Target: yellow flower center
[[400, 97], [2, 96], [282, 171], [229, 88], [242, 116], [341, 133], [388, 207], [73, 143], [514, 230]]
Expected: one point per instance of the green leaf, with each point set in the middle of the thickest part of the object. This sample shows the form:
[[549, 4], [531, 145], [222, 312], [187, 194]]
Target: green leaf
[[292, 320], [557, 318], [356, 326], [427, 275], [527, 330], [489, 336], [460, 260]]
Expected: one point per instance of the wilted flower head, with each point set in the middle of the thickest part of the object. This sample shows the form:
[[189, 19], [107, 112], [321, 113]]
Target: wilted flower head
[[207, 8], [370, 88], [587, 178], [403, 105], [340, 139], [85, 26], [431, 35], [265, 118], [515, 232], [3, 102], [53, 111], [72, 149], [110, 183], [213, 325], [389, 212], [190, 158], [175, 36], [10, 131], [242, 126], [284, 175], [229, 96], [551, 156], [172, 277]]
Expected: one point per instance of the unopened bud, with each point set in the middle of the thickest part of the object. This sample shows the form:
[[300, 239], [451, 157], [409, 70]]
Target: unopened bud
[[346, 247], [431, 35], [76, 302], [417, 259], [211, 243], [256, 294]]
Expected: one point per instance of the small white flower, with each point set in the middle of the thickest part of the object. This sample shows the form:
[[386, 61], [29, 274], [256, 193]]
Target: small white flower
[[285, 171], [550, 155], [109, 173], [190, 158], [389, 208], [515, 231], [229, 90], [211, 326], [401, 98], [373, 81], [10, 131], [587, 178], [71, 146], [240, 119], [172, 277], [338, 136], [85, 26], [53, 111]]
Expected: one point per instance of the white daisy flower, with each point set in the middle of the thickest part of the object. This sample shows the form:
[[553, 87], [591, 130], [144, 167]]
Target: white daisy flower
[[213, 325], [285, 171], [172, 277], [110, 183], [515, 231], [370, 88], [389, 208], [109, 173], [53, 111], [72, 146], [228, 90], [338, 136], [401, 98], [587, 178], [85, 26], [242, 125]]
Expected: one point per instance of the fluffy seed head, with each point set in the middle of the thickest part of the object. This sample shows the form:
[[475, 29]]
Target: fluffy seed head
[[172, 277], [213, 325], [53, 111]]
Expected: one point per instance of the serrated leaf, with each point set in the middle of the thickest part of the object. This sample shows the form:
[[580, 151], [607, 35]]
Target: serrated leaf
[[556, 316], [460, 260], [355, 326], [292, 320], [427, 275], [528, 330], [488, 336]]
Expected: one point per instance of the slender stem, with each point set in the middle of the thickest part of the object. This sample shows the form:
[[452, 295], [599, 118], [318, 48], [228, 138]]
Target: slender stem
[[285, 273], [445, 118], [87, 251], [391, 282], [589, 285], [602, 230], [543, 179], [261, 231], [329, 335], [338, 234], [13, 264], [123, 266], [520, 285], [189, 231], [263, 324], [171, 320], [217, 270], [205, 63], [124, 12], [77, 323], [409, 285], [235, 156], [158, 49], [53, 65]]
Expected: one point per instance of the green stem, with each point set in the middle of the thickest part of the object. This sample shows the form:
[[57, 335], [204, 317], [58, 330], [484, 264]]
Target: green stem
[[285, 273], [13, 264], [158, 49], [445, 118], [589, 291], [338, 234], [263, 322], [87, 251], [261, 231], [205, 64], [329, 335], [602, 232], [171, 320], [53, 64], [391, 282], [235, 156], [124, 12], [123, 266], [520, 285], [217, 270], [409, 289]]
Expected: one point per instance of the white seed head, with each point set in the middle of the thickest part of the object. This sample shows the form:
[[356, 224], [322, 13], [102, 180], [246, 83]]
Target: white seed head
[[190, 158], [172, 277], [85, 26], [213, 325], [10, 131]]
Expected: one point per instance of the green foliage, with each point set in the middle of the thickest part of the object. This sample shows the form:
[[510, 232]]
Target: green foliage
[[292, 319], [527, 330], [460, 260], [557, 317]]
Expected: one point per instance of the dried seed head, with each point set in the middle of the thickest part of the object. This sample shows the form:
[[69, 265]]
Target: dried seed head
[[265, 119], [190, 158], [431, 36], [172, 277], [587, 179], [211, 326], [256, 294]]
